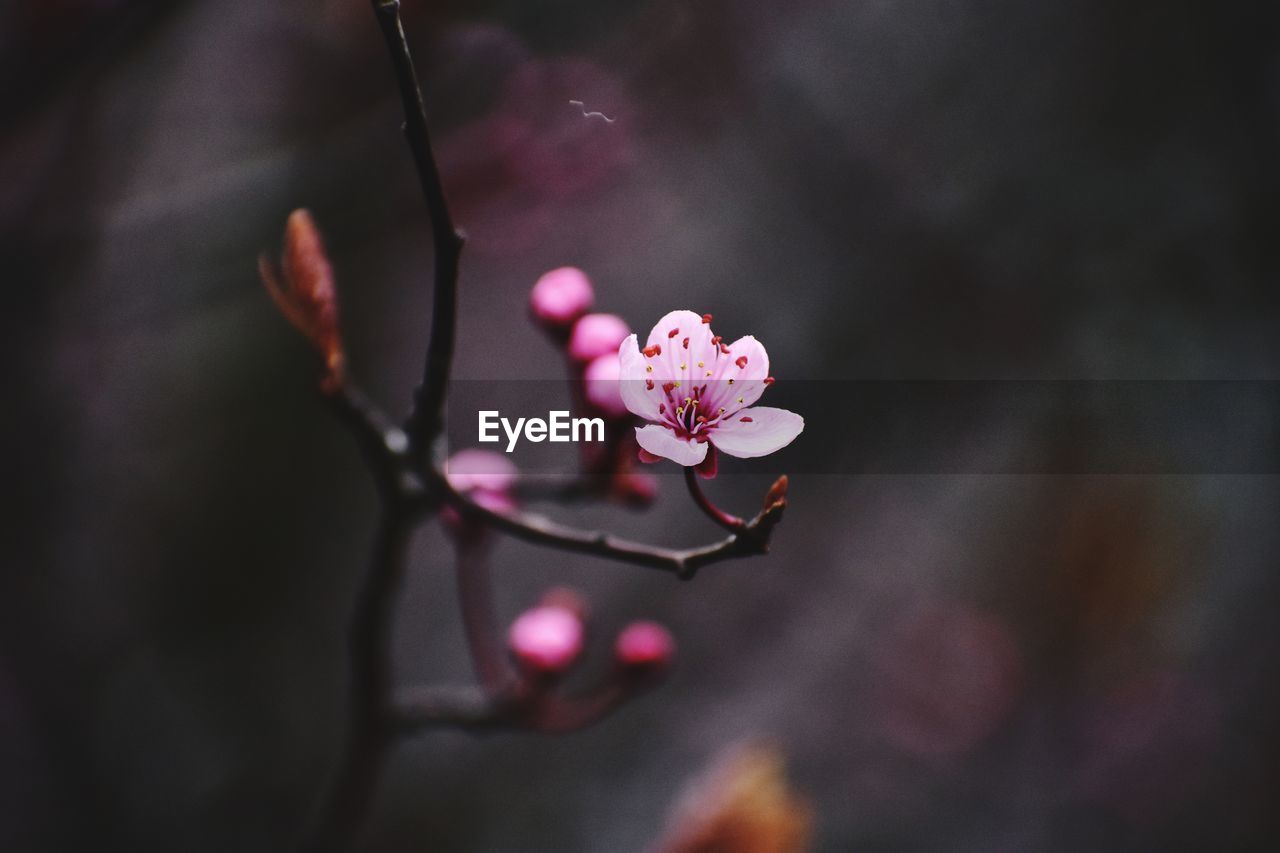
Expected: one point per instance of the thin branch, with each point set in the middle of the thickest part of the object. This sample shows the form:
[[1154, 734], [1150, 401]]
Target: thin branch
[[753, 538], [369, 689], [424, 709], [729, 522], [479, 622], [426, 420]]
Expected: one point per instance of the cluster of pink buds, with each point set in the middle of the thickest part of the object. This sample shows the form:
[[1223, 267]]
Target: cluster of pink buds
[[548, 639], [560, 303]]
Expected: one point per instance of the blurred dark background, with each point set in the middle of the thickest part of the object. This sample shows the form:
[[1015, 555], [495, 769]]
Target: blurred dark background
[[921, 189]]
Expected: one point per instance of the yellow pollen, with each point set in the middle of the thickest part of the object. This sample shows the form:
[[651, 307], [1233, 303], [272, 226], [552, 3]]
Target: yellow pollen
[[740, 400], [649, 369], [675, 385], [701, 364], [679, 410], [730, 381], [709, 373], [722, 410], [683, 366]]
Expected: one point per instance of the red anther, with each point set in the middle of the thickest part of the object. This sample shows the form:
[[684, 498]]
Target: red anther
[[742, 361], [662, 408], [715, 342], [724, 348], [668, 386], [746, 420], [706, 319], [686, 343], [702, 419], [769, 380], [648, 385], [673, 333], [651, 351]]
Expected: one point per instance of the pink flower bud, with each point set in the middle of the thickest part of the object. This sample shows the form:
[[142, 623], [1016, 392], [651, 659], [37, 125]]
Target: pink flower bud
[[645, 646], [597, 334], [546, 639], [561, 296], [488, 479], [602, 388]]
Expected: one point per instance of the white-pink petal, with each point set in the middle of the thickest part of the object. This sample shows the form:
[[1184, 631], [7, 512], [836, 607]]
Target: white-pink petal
[[663, 442], [639, 399], [764, 431], [678, 362]]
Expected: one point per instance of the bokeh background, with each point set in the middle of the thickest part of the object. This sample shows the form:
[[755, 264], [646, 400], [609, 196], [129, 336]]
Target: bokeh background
[[919, 189]]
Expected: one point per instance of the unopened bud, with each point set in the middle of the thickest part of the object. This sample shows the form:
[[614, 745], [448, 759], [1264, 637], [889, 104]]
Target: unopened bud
[[602, 386], [595, 335], [546, 639], [777, 493], [561, 296], [306, 295], [645, 647]]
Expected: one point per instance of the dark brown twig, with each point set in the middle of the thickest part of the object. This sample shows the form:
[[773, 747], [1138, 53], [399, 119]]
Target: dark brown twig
[[426, 420]]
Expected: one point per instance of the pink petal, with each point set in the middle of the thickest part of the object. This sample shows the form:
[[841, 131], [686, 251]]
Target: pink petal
[[641, 399], [663, 442], [748, 376], [678, 361], [766, 430]]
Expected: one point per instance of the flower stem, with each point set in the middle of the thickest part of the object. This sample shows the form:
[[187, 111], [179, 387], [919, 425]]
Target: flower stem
[[480, 622], [729, 522]]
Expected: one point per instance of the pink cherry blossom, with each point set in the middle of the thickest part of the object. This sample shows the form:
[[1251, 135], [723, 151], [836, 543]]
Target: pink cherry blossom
[[597, 334], [561, 296], [547, 638], [695, 389]]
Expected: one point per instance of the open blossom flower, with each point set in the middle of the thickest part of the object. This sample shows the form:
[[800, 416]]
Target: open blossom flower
[[695, 389]]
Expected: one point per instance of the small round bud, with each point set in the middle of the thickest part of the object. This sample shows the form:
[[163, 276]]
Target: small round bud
[[488, 479], [595, 335], [602, 388], [645, 647], [561, 296], [546, 639], [636, 490]]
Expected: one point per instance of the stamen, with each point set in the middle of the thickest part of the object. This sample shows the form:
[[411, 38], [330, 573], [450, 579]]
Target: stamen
[[709, 373], [741, 362], [686, 343], [651, 351], [745, 420], [648, 384], [722, 410], [741, 400], [667, 386], [702, 364], [649, 369], [768, 380], [724, 348], [730, 381], [700, 419], [673, 333], [675, 384], [662, 408], [683, 365], [715, 341], [706, 319]]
